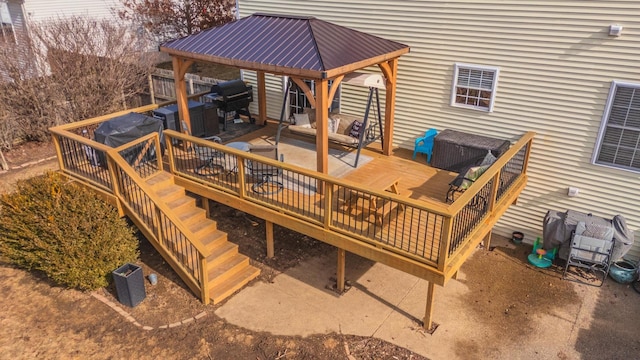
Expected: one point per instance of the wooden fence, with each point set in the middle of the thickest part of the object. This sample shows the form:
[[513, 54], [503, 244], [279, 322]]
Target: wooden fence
[[162, 84]]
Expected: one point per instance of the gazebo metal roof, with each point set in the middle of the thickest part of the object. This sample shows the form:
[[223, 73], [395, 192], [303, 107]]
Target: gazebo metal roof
[[297, 47], [286, 44]]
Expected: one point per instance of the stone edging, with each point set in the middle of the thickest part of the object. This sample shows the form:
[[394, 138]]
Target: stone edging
[[132, 320], [35, 162]]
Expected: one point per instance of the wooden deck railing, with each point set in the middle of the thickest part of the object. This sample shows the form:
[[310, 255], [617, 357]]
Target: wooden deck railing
[[429, 233], [407, 227], [440, 236], [121, 172]]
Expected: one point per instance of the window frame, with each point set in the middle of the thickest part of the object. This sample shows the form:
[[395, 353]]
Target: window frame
[[297, 100], [604, 122], [456, 70]]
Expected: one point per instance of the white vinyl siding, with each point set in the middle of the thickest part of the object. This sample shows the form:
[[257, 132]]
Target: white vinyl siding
[[16, 16], [275, 89], [44, 10], [619, 139], [556, 62]]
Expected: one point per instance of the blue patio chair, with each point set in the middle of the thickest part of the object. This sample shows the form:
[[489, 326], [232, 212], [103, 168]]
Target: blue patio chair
[[424, 145]]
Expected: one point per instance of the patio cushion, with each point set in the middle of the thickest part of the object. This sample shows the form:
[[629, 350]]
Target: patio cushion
[[302, 120], [355, 129]]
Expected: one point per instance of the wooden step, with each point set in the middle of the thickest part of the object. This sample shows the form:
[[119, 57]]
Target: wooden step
[[221, 272], [220, 253], [239, 279], [203, 228], [182, 203], [191, 215], [170, 192], [213, 239], [160, 180]]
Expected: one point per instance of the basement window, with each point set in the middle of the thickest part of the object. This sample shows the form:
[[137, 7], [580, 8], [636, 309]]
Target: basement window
[[474, 86], [618, 143]]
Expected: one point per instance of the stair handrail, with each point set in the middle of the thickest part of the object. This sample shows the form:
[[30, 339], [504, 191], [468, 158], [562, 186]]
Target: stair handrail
[[203, 252]]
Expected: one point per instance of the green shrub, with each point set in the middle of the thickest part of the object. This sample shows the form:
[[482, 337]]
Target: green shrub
[[64, 230]]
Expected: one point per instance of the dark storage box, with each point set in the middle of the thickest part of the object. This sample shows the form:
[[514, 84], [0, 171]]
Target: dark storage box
[[129, 284], [456, 150], [171, 120], [211, 123]]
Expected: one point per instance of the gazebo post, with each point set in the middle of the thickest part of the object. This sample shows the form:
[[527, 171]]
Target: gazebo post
[[322, 129], [262, 98], [390, 71], [180, 68]]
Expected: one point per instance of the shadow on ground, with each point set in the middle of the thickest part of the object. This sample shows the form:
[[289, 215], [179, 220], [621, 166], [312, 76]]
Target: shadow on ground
[[614, 330]]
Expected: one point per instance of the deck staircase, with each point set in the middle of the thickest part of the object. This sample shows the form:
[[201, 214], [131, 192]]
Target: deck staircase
[[227, 269]]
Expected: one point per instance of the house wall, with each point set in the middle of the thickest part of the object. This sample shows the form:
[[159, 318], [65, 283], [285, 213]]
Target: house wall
[[556, 64], [42, 10], [15, 15]]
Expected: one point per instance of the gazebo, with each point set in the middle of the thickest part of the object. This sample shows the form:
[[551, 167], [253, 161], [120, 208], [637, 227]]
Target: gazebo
[[303, 48]]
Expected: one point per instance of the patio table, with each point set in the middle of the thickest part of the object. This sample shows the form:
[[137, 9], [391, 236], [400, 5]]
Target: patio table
[[388, 182]]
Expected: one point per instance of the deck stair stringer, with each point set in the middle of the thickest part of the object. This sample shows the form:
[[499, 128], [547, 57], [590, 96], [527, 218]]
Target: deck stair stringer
[[227, 269]]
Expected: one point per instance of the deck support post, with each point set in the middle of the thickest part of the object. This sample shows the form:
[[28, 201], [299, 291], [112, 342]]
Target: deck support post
[[269, 232], [341, 270], [427, 322], [487, 240], [205, 205]]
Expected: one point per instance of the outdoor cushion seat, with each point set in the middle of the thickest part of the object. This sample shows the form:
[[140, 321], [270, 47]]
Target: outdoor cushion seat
[[341, 135], [468, 176]]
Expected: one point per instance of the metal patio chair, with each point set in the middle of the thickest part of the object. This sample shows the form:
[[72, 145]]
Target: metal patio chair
[[591, 254], [268, 177]]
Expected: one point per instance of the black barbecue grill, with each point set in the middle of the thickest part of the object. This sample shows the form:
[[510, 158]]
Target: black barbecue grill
[[233, 95]]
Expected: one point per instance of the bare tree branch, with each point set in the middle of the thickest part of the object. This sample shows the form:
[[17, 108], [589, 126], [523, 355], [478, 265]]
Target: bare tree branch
[[68, 70], [169, 19]]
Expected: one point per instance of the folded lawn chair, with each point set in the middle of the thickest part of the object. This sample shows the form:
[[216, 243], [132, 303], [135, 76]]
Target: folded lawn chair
[[591, 247]]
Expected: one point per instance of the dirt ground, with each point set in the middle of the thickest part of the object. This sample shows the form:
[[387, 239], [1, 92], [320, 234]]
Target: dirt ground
[[41, 320]]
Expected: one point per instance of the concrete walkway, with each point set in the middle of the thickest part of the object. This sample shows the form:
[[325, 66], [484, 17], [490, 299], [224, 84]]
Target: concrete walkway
[[500, 307]]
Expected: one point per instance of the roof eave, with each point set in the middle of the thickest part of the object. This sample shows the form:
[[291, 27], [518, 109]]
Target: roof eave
[[281, 70], [247, 65], [331, 73]]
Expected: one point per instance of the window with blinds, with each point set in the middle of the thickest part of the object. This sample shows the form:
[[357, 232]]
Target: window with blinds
[[619, 138], [474, 86]]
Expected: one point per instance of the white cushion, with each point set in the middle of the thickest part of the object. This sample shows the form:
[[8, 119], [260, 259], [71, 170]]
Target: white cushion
[[333, 123], [489, 159], [302, 120]]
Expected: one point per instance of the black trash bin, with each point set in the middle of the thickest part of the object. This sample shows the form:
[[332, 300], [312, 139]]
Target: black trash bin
[[129, 284]]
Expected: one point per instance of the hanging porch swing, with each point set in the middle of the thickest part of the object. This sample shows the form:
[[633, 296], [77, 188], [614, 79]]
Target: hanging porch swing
[[355, 132]]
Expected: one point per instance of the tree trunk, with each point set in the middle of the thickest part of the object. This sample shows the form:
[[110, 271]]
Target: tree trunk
[[3, 162]]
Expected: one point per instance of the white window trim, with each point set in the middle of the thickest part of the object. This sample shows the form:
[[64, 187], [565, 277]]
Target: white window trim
[[456, 68], [603, 126]]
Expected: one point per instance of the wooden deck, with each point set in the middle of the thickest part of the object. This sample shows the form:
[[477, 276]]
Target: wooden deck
[[419, 180], [388, 223], [415, 231]]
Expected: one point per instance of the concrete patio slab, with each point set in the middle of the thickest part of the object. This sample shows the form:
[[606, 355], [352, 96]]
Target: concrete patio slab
[[500, 307]]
